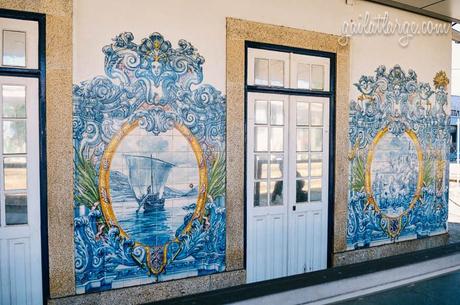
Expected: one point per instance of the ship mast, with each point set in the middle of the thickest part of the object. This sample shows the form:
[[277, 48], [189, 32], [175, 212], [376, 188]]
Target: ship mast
[[151, 173]]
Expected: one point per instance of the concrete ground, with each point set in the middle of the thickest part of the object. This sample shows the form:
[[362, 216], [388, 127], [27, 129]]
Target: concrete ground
[[443, 290], [454, 193], [454, 204]]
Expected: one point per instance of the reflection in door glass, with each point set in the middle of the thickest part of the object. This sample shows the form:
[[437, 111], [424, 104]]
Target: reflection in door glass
[[317, 77], [14, 48], [261, 138], [276, 113], [14, 101], [261, 112], [303, 76], [316, 114], [302, 165], [315, 190], [276, 166], [302, 139], [276, 192], [276, 138], [260, 194], [15, 173], [302, 113], [276, 73], [301, 190], [316, 165], [316, 139], [14, 136], [261, 71], [15, 209], [261, 166]]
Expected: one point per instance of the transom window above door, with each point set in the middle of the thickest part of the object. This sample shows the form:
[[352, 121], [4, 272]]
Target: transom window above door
[[18, 43], [287, 70]]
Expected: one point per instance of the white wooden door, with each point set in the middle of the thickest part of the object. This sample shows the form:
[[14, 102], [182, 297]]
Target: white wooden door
[[267, 173], [287, 165], [20, 245], [308, 181], [20, 248], [287, 193]]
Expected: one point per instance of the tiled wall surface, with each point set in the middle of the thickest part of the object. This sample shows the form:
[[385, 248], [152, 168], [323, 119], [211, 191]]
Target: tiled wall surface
[[60, 156], [399, 149], [150, 170]]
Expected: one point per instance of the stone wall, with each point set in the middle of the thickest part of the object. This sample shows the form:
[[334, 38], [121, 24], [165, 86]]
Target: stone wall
[[58, 137]]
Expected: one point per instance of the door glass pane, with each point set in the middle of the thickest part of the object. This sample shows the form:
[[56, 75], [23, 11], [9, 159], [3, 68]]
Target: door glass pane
[[15, 173], [276, 192], [316, 165], [315, 190], [277, 113], [303, 76], [261, 112], [302, 139], [261, 138], [302, 113], [276, 73], [316, 139], [261, 71], [301, 190], [317, 77], [14, 48], [14, 136], [14, 101], [276, 166], [316, 114], [16, 209], [276, 139], [260, 194], [260, 166], [302, 165]]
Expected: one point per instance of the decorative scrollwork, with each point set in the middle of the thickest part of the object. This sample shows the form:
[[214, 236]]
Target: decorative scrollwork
[[156, 87], [394, 104]]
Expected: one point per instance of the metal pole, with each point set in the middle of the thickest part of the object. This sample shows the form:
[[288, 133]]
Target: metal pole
[[458, 140], [458, 148]]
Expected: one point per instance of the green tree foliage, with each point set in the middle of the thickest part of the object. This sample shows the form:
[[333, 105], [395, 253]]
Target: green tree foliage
[[86, 191], [358, 175], [216, 186]]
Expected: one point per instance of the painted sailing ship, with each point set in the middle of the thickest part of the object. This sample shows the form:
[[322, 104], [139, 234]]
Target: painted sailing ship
[[147, 178]]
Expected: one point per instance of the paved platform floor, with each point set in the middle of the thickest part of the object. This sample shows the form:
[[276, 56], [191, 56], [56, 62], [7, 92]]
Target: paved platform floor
[[454, 204], [443, 290]]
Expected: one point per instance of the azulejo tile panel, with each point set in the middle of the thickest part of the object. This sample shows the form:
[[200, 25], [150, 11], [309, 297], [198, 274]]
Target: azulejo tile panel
[[399, 145], [150, 168]]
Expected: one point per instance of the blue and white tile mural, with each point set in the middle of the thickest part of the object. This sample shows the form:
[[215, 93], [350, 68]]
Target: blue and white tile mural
[[149, 191], [399, 139]]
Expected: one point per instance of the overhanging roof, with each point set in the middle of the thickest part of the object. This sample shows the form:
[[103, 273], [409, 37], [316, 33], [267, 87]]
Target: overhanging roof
[[446, 10]]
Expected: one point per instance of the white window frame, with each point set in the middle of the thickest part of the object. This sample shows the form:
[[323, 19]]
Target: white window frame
[[270, 55], [262, 92]]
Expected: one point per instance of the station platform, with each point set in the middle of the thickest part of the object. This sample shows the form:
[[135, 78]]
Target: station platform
[[442, 290]]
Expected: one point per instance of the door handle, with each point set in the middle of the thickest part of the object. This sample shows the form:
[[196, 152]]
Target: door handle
[[293, 207]]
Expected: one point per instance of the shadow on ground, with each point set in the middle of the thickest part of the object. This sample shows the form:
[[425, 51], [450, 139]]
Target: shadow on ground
[[443, 290]]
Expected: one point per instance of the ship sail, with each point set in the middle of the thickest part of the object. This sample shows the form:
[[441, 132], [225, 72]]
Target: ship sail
[[147, 177]]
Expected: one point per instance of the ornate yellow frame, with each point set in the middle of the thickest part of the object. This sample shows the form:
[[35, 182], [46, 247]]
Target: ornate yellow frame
[[106, 199], [368, 183]]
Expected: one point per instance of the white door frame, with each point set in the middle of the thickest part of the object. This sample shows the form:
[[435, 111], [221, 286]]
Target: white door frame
[[311, 211], [328, 60], [270, 218], [32, 75], [22, 239]]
